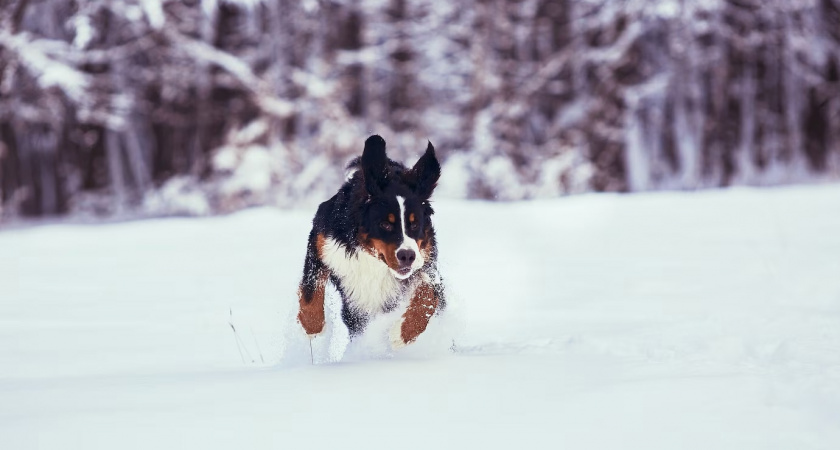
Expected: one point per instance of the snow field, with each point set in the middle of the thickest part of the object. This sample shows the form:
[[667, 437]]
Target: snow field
[[655, 321]]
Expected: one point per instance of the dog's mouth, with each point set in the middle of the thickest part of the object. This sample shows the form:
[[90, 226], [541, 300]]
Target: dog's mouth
[[401, 273]]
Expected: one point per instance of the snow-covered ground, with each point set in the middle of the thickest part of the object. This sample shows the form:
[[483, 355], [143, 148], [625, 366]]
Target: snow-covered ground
[[658, 321]]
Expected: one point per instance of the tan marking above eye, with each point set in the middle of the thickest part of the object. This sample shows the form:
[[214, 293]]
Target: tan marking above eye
[[411, 217], [391, 218]]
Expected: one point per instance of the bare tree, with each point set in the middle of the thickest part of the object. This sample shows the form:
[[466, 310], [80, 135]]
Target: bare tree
[[161, 106]]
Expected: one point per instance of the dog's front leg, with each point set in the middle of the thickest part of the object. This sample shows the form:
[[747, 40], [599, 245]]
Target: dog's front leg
[[420, 309], [312, 287]]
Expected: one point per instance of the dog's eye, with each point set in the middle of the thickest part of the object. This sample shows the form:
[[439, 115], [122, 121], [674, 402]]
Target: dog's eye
[[386, 226], [414, 226]]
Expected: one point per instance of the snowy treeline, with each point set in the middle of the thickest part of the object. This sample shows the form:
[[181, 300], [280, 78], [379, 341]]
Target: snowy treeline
[[195, 106]]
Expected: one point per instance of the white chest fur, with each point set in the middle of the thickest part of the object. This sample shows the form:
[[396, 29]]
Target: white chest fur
[[366, 281]]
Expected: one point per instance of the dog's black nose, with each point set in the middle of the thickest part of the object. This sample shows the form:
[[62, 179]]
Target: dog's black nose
[[406, 257]]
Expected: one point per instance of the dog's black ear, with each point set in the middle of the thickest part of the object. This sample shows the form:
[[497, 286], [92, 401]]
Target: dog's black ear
[[375, 164], [425, 173]]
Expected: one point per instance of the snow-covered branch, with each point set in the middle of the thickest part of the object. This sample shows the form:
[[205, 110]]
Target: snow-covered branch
[[120, 105]]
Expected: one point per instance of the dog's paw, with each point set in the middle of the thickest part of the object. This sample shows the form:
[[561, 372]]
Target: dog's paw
[[312, 336], [312, 333], [396, 338]]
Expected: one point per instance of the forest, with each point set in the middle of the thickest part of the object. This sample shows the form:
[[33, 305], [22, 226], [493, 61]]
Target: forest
[[191, 107]]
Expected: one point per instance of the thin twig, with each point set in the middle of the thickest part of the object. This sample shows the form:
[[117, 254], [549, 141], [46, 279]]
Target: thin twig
[[239, 343], [238, 347], [259, 350]]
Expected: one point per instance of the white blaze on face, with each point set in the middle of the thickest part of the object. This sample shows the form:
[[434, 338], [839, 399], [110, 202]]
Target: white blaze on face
[[408, 243]]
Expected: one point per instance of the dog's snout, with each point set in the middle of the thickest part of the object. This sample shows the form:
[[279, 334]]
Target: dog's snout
[[406, 257]]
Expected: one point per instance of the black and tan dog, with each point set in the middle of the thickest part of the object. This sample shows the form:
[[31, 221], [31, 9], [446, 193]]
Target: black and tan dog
[[374, 241]]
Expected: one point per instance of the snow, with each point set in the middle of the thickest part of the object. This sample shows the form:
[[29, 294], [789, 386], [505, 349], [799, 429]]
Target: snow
[[35, 56], [178, 196], [84, 31], [651, 321], [154, 12]]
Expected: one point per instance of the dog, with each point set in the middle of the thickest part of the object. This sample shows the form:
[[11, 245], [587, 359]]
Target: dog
[[374, 241]]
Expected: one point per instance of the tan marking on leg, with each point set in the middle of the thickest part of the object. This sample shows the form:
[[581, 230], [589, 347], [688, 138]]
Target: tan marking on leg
[[320, 241], [311, 314], [420, 310]]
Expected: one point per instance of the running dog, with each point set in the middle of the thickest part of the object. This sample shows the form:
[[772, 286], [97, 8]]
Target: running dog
[[374, 241]]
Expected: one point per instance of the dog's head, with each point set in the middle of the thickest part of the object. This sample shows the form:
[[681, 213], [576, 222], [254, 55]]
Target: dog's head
[[395, 224]]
